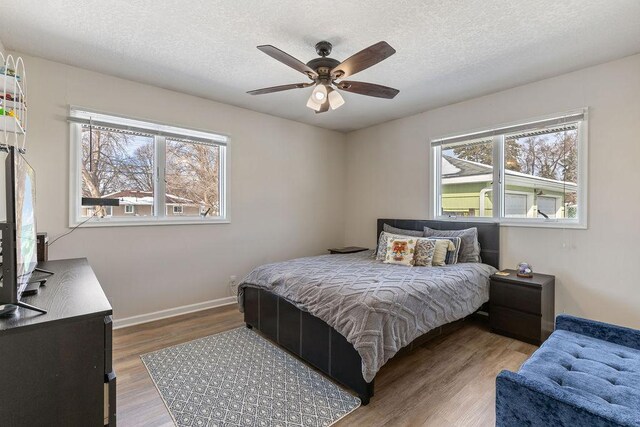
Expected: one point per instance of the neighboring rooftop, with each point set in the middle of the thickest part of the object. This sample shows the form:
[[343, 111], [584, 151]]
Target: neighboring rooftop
[[136, 197], [454, 168]]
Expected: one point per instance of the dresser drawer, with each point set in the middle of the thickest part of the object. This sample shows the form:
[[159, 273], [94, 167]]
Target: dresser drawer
[[516, 324], [517, 297]]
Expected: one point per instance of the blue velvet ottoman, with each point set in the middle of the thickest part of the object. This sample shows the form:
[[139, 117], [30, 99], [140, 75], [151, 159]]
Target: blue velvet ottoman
[[587, 373]]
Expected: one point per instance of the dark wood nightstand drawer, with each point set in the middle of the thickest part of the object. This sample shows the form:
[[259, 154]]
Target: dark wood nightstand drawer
[[515, 324], [347, 250], [517, 297]]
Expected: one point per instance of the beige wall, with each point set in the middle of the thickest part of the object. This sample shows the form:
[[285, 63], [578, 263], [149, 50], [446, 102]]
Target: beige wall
[[287, 195], [286, 192], [388, 176]]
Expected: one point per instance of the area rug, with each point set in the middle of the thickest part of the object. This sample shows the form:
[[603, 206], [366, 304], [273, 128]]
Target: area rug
[[238, 378]]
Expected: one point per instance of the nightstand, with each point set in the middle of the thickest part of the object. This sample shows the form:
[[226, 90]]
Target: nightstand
[[522, 308], [347, 250]]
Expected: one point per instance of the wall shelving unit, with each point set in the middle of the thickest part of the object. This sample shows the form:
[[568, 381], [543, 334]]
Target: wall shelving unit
[[13, 102]]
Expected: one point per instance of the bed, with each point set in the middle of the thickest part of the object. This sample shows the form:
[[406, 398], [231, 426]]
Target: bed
[[347, 315]]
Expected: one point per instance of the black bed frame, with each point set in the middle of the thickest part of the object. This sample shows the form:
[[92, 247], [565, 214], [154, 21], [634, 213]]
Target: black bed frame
[[317, 343]]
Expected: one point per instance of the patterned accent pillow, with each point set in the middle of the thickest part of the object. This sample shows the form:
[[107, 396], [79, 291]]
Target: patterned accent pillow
[[424, 252], [381, 252], [400, 251], [469, 248], [452, 254], [440, 254], [402, 231]]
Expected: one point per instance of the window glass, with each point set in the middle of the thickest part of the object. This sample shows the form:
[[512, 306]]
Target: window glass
[[193, 178], [117, 165], [537, 174], [466, 179], [543, 163], [128, 170]]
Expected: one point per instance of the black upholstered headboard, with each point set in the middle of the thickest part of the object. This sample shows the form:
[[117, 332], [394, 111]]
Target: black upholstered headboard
[[488, 233]]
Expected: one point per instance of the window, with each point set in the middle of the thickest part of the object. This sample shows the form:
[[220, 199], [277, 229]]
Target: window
[[540, 178], [158, 174]]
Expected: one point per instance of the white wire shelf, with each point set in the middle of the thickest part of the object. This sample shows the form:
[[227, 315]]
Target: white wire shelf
[[13, 86], [12, 105], [10, 124]]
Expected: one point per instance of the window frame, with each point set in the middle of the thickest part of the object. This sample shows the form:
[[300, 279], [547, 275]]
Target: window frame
[[499, 187], [126, 208], [77, 114]]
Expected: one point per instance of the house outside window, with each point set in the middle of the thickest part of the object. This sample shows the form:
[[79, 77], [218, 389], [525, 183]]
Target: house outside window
[[159, 174], [531, 173]]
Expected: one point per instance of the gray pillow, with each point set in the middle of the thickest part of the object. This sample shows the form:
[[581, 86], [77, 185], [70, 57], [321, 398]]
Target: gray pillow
[[469, 247], [402, 231]]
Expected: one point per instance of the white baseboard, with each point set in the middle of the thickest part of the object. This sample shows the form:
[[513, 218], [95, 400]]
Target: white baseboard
[[170, 312]]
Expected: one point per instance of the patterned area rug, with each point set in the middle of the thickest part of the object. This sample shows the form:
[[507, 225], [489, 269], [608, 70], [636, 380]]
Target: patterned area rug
[[238, 378]]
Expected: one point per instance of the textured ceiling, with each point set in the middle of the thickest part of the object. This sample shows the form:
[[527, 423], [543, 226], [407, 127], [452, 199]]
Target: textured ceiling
[[447, 51]]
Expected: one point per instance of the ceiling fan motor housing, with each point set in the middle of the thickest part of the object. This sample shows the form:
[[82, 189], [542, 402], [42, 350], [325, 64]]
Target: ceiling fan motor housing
[[323, 66], [323, 48]]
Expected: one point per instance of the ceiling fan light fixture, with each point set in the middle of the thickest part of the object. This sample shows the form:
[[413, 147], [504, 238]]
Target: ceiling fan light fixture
[[311, 103], [335, 99], [319, 93], [324, 71]]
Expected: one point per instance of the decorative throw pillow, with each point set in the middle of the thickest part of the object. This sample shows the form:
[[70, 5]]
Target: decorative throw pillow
[[452, 254], [440, 253], [400, 250], [402, 231], [469, 247], [424, 252], [381, 252]]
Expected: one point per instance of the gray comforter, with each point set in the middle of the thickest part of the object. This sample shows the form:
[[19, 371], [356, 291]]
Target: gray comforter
[[378, 307]]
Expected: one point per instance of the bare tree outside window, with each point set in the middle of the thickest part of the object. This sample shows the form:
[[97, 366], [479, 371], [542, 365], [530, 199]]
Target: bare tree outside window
[[117, 165], [120, 165], [193, 177]]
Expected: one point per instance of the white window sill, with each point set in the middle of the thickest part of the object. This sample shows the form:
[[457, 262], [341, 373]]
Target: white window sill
[[524, 223], [129, 222]]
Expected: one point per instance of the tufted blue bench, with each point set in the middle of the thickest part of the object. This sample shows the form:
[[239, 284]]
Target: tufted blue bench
[[587, 373]]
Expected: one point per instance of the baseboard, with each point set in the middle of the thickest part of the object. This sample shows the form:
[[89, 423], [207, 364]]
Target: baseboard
[[171, 312]]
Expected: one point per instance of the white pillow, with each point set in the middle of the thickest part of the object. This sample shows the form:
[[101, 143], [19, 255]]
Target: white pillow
[[400, 250]]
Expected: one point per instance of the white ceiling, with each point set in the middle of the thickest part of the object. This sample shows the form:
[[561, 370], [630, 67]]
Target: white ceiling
[[447, 50]]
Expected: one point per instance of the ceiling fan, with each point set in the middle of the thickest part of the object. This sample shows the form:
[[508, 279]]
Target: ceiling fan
[[327, 74]]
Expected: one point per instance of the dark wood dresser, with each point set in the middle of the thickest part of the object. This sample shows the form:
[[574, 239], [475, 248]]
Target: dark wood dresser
[[522, 308], [56, 368]]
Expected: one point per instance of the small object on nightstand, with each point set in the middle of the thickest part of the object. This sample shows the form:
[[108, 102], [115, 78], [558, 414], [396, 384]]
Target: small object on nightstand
[[525, 270], [522, 308], [347, 250]]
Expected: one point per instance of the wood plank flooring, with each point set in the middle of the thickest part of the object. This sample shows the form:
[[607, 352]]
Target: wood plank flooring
[[449, 381]]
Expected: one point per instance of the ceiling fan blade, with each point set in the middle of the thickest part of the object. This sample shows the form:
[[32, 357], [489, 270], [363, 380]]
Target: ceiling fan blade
[[278, 88], [287, 59], [363, 60], [324, 108], [368, 89]]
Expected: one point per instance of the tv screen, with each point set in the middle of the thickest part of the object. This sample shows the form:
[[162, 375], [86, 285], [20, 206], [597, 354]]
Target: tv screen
[[24, 211]]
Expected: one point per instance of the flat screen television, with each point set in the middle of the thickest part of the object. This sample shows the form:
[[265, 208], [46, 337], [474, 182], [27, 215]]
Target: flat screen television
[[19, 239]]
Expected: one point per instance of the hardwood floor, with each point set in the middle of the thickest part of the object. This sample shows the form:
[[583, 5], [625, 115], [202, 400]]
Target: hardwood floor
[[449, 381]]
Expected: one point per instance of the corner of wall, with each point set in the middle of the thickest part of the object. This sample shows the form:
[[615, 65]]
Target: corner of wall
[[2, 48]]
